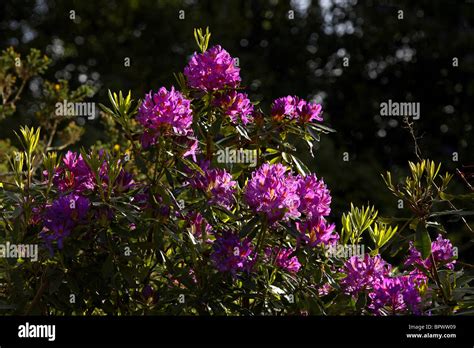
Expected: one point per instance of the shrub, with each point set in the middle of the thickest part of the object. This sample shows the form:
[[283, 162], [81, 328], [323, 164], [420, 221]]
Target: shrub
[[204, 207]]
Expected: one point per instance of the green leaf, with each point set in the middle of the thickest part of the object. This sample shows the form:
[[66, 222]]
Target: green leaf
[[452, 212], [449, 197], [361, 302], [192, 165], [422, 240], [322, 128], [300, 166], [106, 109], [249, 227], [242, 132], [313, 134]]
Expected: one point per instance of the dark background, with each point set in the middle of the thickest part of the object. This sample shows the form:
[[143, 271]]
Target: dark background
[[407, 59]]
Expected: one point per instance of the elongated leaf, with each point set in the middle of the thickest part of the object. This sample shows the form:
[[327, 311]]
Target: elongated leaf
[[243, 132], [192, 165], [300, 166], [249, 227], [452, 212], [422, 240], [449, 197]]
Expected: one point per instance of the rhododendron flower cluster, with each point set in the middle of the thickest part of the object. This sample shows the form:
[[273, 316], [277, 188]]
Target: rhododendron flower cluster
[[62, 216], [272, 190], [69, 210], [315, 198], [164, 113], [198, 224], [280, 195], [443, 254], [396, 294], [283, 259], [217, 183], [232, 254], [74, 174], [235, 105], [212, 70], [295, 108], [363, 273], [317, 231]]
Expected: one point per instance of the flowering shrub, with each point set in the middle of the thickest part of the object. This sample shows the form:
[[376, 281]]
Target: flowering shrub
[[163, 226]]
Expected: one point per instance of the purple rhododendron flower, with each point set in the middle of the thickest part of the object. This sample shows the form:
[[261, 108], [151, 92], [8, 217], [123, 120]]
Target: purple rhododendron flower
[[442, 250], [284, 259], [217, 183], [74, 174], [363, 273], [308, 112], [231, 254], [295, 108], [212, 70], [198, 224], [147, 291], [62, 216], [272, 190], [164, 112], [316, 232], [144, 200], [236, 105], [191, 144], [124, 180], [315, 198], [36, 214], [325, 289], [397, 295], [284, 106]]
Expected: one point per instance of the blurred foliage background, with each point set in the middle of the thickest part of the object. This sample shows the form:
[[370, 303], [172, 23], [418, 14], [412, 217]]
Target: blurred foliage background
[[280, 53]]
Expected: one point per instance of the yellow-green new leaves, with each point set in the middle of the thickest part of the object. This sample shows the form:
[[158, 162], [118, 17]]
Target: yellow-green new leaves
[[202, 39], [420, 189], [122, 108], [29, 139], [16, 162], [50, 162], [355, 222], [358, 220], [381, 233]]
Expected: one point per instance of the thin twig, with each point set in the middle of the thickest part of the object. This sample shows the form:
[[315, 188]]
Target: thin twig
[[409, 126], [38, 295]]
